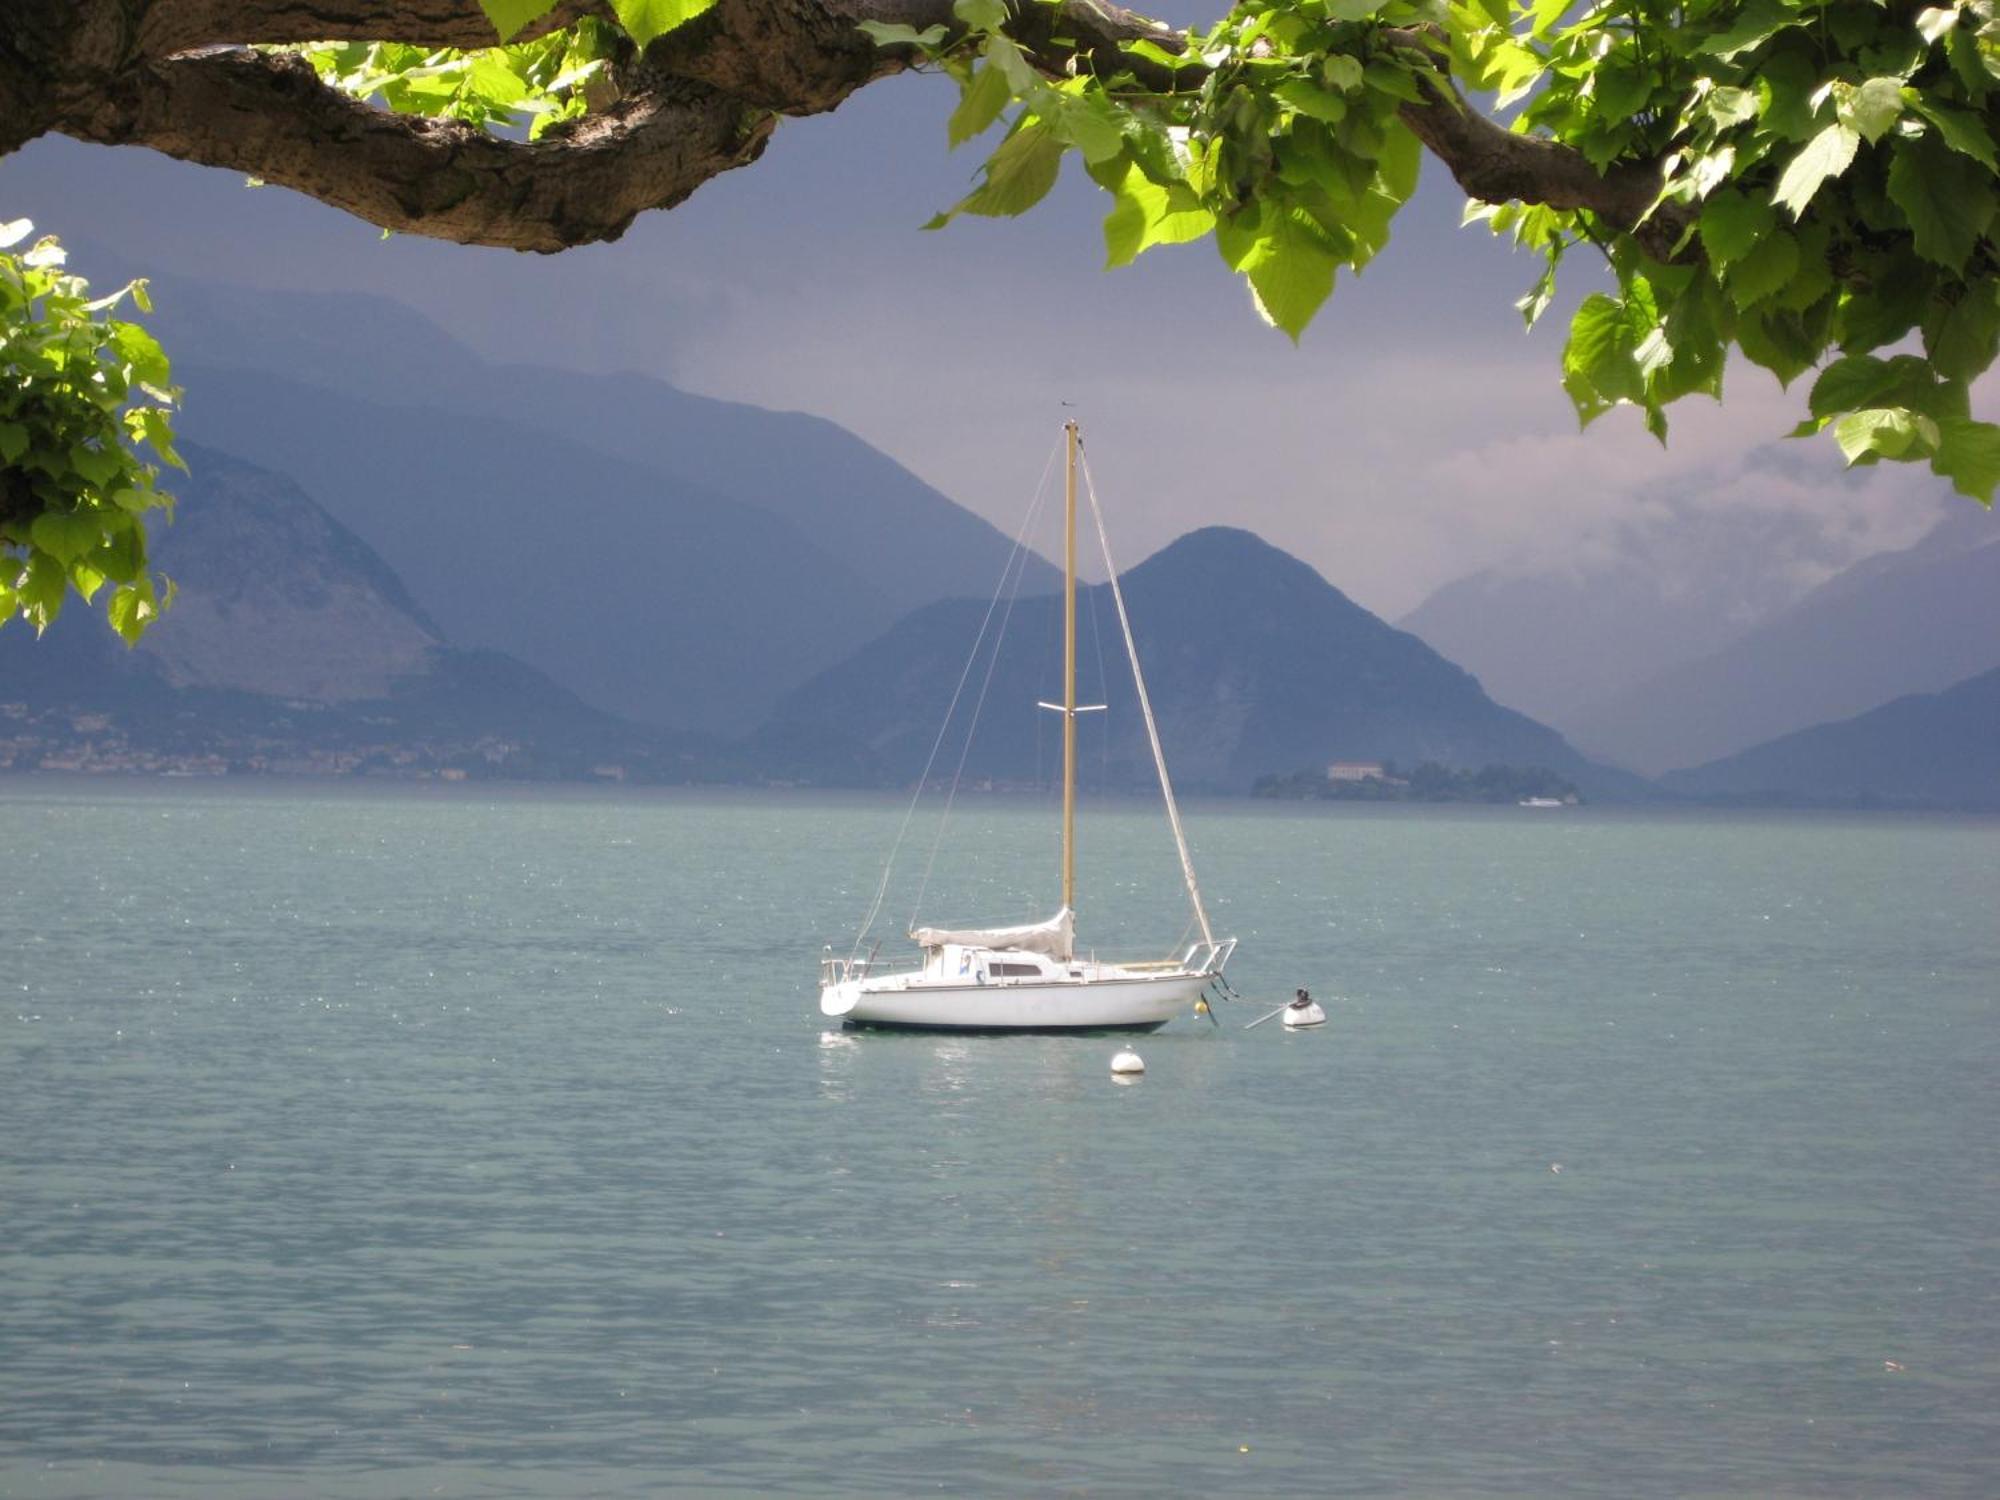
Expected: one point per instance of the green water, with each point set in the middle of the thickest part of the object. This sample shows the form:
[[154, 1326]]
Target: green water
[[368, 1144]]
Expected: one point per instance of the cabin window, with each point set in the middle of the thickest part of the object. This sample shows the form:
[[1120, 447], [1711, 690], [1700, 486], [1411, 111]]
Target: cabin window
[[1014, 971]]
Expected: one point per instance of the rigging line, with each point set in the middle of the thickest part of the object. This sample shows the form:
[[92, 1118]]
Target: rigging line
[[1103, 692], [1146, 707], [979, 707], [1017, 555]]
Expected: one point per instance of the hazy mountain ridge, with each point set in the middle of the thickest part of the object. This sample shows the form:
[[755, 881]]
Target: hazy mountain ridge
[[291, 646], [1918, 620], [1922, 750], [763, 545], [1680, 577], [672, 607], [1256, 665]]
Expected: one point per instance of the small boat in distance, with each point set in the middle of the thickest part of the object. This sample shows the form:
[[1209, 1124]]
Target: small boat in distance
[[1030, 977]]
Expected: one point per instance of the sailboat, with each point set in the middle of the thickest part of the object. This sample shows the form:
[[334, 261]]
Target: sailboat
[[1031, 977]]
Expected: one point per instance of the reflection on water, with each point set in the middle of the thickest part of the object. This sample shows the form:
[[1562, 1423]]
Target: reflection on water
[[364, 1145]]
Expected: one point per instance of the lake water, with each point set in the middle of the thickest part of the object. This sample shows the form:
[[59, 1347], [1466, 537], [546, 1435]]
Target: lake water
[[366, 1143]]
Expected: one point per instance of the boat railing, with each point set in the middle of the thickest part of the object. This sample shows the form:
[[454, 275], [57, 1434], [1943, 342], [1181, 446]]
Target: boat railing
[[835, 969], [1208, 958]]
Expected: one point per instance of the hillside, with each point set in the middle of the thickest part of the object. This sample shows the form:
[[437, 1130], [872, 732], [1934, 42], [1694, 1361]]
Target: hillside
[[725, 552], [292, 646], [1923, 750], [1913, 621], [1255, 662]]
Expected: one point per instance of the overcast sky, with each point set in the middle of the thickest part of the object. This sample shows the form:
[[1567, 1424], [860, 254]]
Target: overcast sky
[[1416, 434]]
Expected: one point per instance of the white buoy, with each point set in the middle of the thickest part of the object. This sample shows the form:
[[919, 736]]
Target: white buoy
[[1128, 1061], [1297, 1017]]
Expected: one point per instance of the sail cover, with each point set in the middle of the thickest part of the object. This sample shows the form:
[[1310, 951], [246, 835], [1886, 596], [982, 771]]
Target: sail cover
[[1056, 937]]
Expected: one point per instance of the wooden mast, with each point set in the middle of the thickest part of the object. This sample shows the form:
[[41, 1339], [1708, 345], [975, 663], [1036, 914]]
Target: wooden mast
[[1069, 671]]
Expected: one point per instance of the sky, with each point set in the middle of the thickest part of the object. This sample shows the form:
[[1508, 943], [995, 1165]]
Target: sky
[[1416, 433]]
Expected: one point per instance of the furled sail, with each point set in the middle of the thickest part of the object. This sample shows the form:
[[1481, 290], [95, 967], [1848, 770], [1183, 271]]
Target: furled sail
[[1056, 938]]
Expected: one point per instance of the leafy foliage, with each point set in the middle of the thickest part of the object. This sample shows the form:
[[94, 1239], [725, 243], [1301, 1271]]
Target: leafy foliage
[[1825, 173], [82, 394], [541, 83], [1286, 146], [1826, 176]]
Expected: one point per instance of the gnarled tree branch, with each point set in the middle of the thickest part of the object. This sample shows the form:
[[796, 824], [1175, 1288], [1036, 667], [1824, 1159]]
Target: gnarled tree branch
[[165, 27], [268, 114], [702, 100]]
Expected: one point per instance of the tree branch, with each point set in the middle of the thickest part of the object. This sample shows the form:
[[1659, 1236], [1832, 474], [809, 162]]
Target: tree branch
[[269, 115], [701, 100], [166, 27]]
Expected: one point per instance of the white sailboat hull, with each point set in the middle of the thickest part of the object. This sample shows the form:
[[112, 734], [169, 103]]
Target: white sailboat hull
[[1121, 1003]]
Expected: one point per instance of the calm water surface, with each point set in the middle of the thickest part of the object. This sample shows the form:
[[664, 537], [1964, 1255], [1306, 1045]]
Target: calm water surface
[[356, 1143]]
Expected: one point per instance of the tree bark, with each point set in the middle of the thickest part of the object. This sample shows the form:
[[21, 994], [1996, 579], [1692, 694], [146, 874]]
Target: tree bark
[[182, 77]]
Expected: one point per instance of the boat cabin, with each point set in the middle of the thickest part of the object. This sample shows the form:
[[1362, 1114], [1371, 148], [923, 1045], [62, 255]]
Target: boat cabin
[[963, 963]]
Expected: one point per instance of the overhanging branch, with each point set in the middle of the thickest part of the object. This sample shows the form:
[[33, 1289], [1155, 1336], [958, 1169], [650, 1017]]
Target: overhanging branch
[[269, 115], [702, 100], [169, 26]]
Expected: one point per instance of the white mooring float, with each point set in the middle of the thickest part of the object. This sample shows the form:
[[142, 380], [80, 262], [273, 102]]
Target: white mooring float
[[1298, 1017]]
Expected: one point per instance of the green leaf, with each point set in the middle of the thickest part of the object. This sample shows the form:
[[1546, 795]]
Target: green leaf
[[1935, 22], [1827, 154], [1778, 340], [1883, 432], [1089, 124], [65, 537], [1732, 223], [644, 20], [1854, 382], [1289, 262], [1872, 109], [1756, 22], [98, 465], [1147, 214], [131, 610], [1813, 280], [13, 442], [1727, 106], [1964, 133], [1342, 72], [980, 105], [1968, 454], [1969, 336], [155, 427], [1765, 269], [142, 352], [39, 591], [509, 16], [1545, 13], [981, 15], [1018, 176], [1947, 198], [1598, 359], [896, 34], [1308, 98]]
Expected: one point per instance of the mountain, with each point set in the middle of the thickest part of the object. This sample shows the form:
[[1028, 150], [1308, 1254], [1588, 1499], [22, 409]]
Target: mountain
[[1918, 620], [672, 558], [1686, 569], [1256, 665], [1923, 750], [291, 645], [653, 601]]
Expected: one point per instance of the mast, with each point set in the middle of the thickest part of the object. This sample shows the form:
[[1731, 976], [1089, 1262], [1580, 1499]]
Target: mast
[[1069, 670]]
